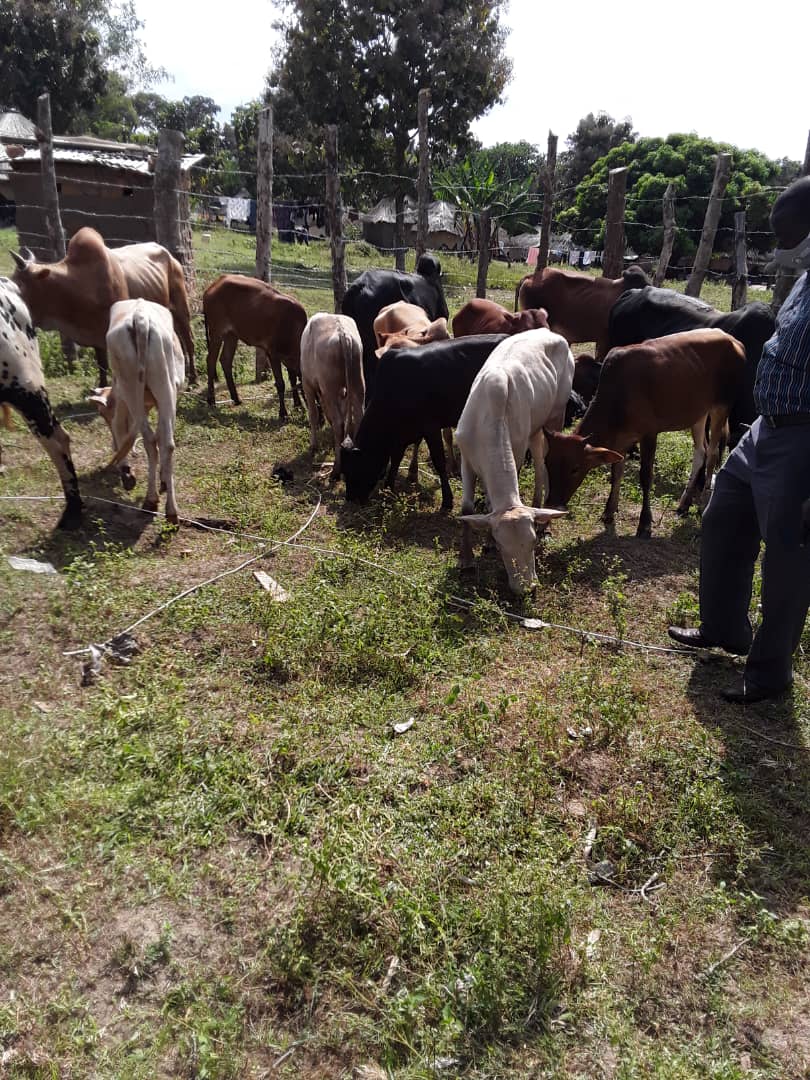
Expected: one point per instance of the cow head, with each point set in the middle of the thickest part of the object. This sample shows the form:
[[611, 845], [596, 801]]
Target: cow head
[[360, 470], [515, 534], [569, 459], [104, 399], [412, 336], [429, 267]]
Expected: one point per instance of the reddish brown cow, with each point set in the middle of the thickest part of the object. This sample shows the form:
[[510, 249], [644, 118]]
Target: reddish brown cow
[[666, 384], [486, 317], [578, 305], [237, 308]]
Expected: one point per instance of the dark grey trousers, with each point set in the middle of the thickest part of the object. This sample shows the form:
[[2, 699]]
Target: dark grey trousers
[[758, 496]]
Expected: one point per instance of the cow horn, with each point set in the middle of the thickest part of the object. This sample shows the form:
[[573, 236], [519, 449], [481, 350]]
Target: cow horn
[[29, 255], [18, 259]]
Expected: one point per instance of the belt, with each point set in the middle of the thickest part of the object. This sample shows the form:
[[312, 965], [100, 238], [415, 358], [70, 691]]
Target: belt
[[787, 419]]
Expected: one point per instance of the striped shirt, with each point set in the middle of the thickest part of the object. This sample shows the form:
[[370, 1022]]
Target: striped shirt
[[783, 375]]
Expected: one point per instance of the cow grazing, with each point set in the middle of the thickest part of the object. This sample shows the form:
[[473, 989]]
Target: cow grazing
[[406, 324], [375, 289], [486, 317], [586, 377], [147, 367], [522, 388], [578, 305], [74, 295], [666, 384], [648, 313], [22, 386], [418, 392], [239, 308], [332, 378]]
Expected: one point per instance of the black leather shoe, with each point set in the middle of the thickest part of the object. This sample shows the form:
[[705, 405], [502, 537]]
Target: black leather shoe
[[694, 639], [750, 695]]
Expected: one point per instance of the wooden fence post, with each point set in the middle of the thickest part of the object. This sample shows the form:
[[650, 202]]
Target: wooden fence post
[[722, 173], [548, 202], [785, 278], [50, 199], [669, 236], [739, 290], [168, 182], [423, 182], [613, 258], [484, 236], [334, 217], [264, 215]]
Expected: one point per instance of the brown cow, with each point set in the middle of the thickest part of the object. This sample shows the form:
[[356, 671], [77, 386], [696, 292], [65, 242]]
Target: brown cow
[[74, 295], [578, 304], [486, 317], [665, 384], [237, 308], [406, 324]]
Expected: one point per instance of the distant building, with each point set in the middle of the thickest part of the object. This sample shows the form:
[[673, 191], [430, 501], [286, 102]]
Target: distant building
[[444, 231], [107, 185], [13, 126]]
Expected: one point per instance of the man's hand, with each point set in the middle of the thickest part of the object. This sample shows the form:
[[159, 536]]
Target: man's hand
[[805, 523]]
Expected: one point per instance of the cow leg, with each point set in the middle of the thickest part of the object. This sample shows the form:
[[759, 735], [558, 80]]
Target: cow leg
[[150, 502], [314, 414], [183, 330], [103, 369], [718, 434], [335, 415], [165, 441], [226, 359], [612, 505], [698, 463], [452, 466], [214, 346], [295, 379], [539, 448], [413, 468], [278, 379], [397, 454], [433, 438], [465, 554], [648, 445]]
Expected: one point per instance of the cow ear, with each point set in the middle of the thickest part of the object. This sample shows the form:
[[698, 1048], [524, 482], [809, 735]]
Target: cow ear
[[347, 444], [543, 515], [598, 455], [479, 522]]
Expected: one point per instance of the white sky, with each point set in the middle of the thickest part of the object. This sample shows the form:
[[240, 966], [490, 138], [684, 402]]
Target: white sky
[[703, 65]]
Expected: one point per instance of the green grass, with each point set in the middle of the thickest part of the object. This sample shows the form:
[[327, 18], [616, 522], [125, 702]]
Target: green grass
[[221, 860]]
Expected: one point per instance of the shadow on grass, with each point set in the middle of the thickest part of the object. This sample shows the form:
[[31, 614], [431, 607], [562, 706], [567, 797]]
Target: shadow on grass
[[767, 772]]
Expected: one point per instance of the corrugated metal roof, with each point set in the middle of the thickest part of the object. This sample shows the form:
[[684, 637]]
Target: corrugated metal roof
[[13, 125], [116, 161]]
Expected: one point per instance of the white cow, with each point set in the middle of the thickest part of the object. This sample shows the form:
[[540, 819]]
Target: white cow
[[332, 377], [147, 367], [22, 385], [522, 388]]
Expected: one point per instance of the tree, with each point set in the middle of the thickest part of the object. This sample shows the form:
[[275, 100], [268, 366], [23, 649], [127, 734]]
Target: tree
[[86, 53], [484, 201], [688, 162], [360, 65], [595, 136]]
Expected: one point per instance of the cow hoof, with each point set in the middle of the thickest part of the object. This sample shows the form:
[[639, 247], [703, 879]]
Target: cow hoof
[[644, 532], [162, 487], [71, 518], [150, 505], [466, 567], [172, 519], [129, 481]]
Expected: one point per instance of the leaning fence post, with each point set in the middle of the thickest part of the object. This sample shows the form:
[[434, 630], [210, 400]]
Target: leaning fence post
[[613, 258], [484, 237], [548, 202], [168, 182], [722, 173], [785, 278], [50, 200], [264, 214], [334, 217], [739, 290], [669, 235], [423, 182]]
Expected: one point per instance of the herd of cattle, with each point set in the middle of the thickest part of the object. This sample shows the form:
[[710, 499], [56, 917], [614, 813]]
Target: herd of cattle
[[386, 374]]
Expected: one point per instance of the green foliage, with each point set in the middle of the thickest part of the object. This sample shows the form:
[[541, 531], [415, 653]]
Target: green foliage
[[688, 162], [595, 136], [474, 187]]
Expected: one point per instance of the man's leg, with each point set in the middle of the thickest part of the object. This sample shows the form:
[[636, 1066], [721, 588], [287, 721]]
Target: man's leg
[[780, 486], [729, 545]]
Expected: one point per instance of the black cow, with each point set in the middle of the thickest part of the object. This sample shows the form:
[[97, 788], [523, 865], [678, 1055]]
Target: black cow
[[374, 289], [650, 313], [418, 392]]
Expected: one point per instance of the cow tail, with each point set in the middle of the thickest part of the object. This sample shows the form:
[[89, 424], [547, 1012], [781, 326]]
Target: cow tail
[[352, 373], [517, 294], [139, 330]]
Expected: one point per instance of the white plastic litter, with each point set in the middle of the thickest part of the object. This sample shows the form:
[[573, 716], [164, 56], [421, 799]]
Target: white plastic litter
[[406, 725], [17, 562], [277, 592]]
